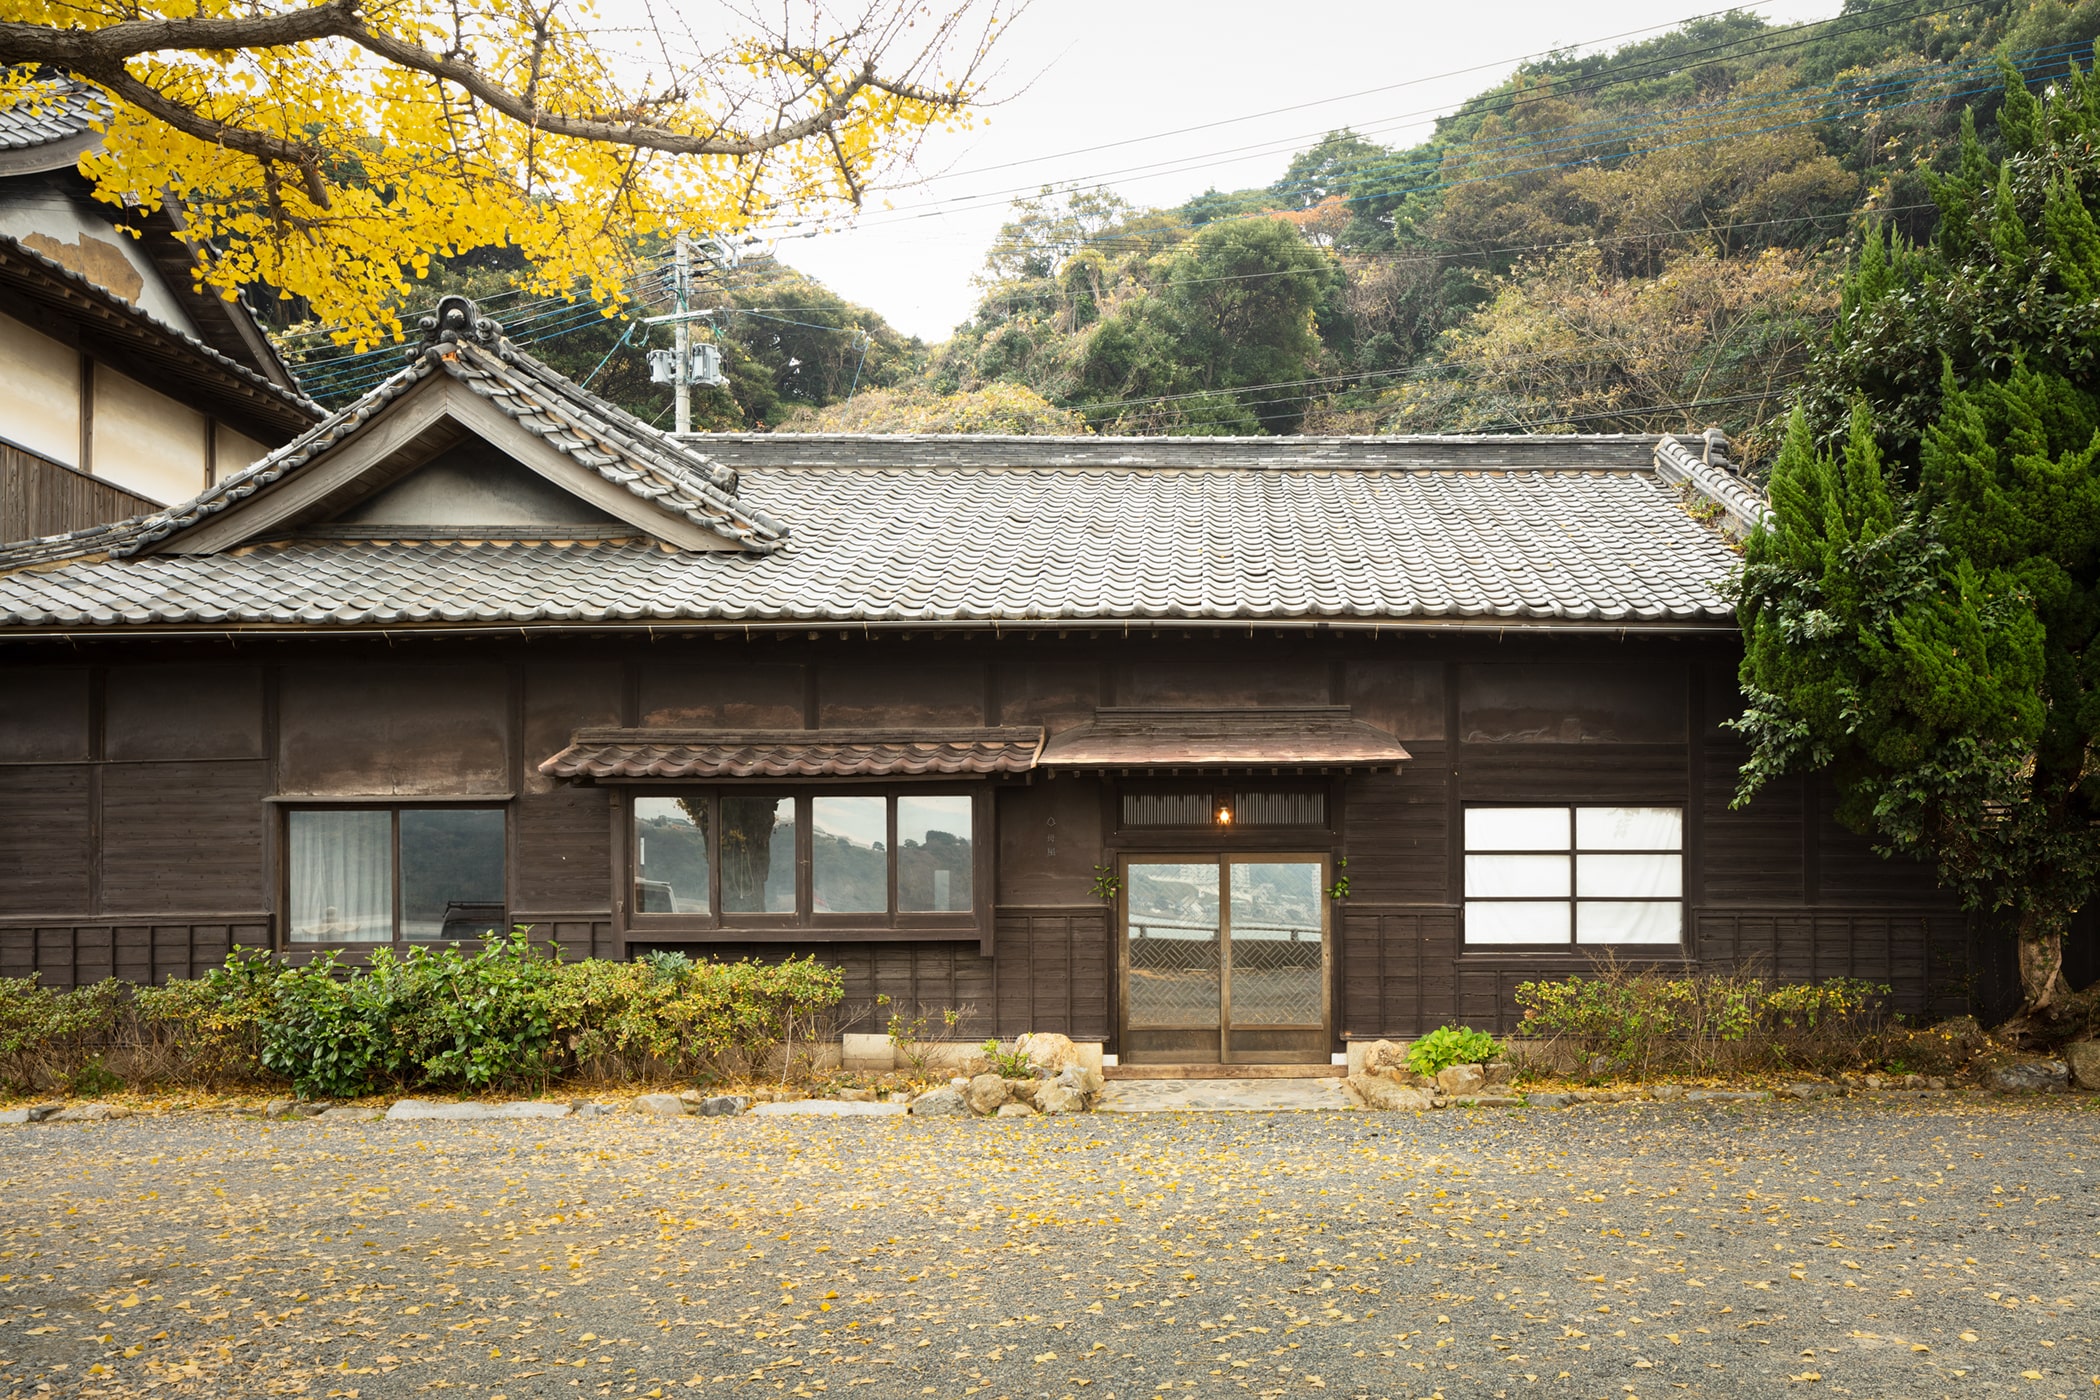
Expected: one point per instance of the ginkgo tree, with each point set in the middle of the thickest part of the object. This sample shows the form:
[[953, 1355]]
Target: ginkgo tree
[[330, 151]]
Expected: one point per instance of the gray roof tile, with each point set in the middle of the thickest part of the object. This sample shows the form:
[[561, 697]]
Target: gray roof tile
[[1007, 545], [46, 112]]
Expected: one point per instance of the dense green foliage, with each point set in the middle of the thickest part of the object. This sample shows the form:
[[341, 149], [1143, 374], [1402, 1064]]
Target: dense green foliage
[[1645, 1022], [1451, 1045], [1638, 240], [1645, 239], [504, 1015], [1920, 618]]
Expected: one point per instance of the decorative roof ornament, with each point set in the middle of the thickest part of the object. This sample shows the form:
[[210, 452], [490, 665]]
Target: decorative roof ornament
[[456, 318]]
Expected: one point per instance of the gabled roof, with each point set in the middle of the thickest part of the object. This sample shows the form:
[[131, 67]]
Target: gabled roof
[[1494, 532], [464, 371]]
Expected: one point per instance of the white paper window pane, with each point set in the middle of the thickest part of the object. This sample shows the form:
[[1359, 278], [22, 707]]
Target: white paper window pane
[[1517, 922], [342, 876], [1516, 828], [1630, 921], [1506, 877], [1629, 877], [1629, 828]]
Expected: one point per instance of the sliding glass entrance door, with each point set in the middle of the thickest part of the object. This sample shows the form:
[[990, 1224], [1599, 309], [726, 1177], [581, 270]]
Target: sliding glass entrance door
[[1224, 959]]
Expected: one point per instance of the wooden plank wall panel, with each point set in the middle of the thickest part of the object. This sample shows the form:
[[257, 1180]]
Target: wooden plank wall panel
[[1052, 971], [579, 936], [564, 850], [1926, 957], [182, 835], [1851, 873], [1398, 969], [39, 497], [64, 955], [1573, 772], [1752, 856], [44, 839], [1396, 841]]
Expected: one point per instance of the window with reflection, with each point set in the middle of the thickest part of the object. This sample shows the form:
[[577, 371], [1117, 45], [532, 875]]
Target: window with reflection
[[394, 874], [871, 855]]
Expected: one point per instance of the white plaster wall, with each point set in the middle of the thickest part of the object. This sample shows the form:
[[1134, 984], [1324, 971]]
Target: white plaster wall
[[44, 211], [39, 393], [145, 441], [236, 451]]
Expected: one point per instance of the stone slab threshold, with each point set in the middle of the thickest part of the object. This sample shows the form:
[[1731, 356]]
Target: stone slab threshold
[[1221, 1095], [1207, 1071]]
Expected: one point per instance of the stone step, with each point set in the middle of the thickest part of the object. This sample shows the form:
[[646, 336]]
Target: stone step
[[1224, 1072]]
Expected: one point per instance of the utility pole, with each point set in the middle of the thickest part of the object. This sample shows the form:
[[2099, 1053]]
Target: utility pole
[[687, 364], [682, 276]]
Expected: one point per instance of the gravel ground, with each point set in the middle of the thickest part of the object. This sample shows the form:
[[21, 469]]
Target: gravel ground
[[1940, 1246]]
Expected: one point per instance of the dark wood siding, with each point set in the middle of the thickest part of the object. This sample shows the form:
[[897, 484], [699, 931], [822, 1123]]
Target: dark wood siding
[[45, 846], [74, 953], [39, 497], [1052, 971], [1397, 832], [182, 836]]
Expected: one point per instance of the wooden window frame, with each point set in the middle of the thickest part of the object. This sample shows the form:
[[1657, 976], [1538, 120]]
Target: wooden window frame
[[285, 813], [1574, 853], [805, 923]]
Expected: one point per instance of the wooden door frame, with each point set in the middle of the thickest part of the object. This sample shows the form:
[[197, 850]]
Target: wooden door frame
[[1224, 860]]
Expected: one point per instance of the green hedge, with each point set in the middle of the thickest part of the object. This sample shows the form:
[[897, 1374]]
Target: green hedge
[[505, 1014]]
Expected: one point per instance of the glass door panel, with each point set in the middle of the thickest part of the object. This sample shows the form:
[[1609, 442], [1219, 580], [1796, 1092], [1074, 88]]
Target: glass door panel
[[1172, 937], [1276, 953]]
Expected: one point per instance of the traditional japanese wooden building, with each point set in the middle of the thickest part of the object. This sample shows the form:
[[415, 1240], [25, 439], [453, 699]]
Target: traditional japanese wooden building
[[1078, 733]]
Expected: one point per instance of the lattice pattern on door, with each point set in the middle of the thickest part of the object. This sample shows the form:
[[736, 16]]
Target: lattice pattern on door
[[1276, 981], [1173, 977]]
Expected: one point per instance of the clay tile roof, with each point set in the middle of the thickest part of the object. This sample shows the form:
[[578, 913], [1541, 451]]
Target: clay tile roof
[[1305, 736], [992, 532], [794, 753], [52, 112]]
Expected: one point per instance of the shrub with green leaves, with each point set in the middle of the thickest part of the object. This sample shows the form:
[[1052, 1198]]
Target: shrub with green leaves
[[1703, 1023], [1451, 1045], [48, 1037]]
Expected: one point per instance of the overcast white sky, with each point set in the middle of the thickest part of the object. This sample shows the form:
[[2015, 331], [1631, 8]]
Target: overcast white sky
[[1085, 73]]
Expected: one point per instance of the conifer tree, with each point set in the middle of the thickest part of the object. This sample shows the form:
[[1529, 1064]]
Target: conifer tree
[[1920, 617]]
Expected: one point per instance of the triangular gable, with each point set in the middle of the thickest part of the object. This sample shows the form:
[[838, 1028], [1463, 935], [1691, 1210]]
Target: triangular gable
[[465, 386]]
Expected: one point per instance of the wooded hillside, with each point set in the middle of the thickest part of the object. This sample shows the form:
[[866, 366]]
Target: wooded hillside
[[1650, 239], [1645, 240]]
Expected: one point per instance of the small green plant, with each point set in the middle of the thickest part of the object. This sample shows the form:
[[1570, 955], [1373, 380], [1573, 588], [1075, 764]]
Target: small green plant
[[1107, 883], [1451, 1045], [93, 1079], [908, 1033], [1339, 890], [1008, 1064]]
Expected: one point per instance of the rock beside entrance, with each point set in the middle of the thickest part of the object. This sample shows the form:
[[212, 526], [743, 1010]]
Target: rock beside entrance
[[1047, 1051], [1381, 1092], [939, 1102], [2084, 1060], [2029, 1076]]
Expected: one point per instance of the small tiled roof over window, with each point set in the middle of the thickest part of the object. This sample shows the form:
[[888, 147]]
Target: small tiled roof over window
[[641, 754]]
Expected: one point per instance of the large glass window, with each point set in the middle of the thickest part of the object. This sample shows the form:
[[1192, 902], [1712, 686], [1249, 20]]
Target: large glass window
[[670, 856], [385, 874], [849, 859], [1574, 875], [871, 855], [758, 855], [933, 855]]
